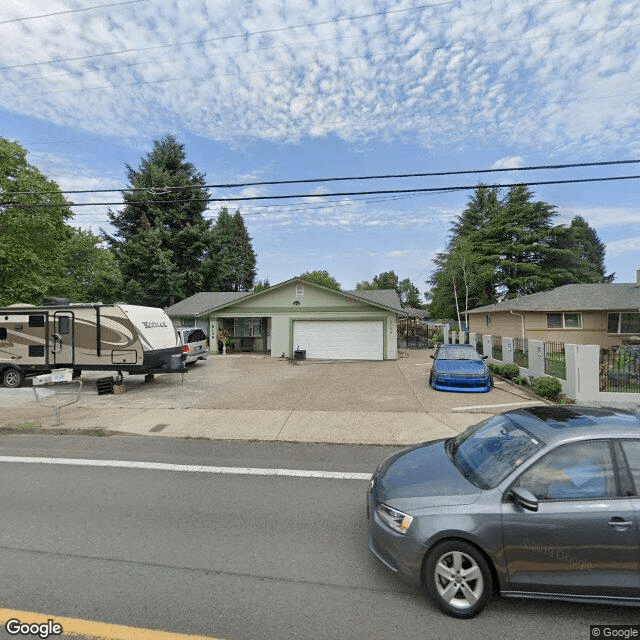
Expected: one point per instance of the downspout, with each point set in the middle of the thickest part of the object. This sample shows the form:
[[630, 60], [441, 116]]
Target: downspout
[[521, 321]]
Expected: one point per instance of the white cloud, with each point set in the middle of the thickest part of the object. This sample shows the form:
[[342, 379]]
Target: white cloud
[[559, 73], [508, 162], [398, 253]]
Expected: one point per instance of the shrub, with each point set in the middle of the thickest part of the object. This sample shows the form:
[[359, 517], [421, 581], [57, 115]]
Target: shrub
[[547, 387], [511, 371]]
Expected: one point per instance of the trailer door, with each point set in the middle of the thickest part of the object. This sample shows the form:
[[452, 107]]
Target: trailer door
[[62, 338]]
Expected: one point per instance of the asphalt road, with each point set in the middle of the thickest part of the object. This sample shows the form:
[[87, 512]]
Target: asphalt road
[[233, 556]]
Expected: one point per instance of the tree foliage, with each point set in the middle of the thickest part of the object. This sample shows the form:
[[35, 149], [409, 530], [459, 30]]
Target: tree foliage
[[161, 234], [230, 264], [504, 244], [323, 278], [40, 254], [407, 292]]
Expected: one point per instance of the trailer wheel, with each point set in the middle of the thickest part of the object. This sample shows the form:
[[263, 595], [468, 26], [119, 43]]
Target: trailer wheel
[[12, 378]]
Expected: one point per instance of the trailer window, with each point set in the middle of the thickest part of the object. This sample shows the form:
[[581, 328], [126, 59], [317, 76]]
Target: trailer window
[[36, 351], [63, 324], [3, 333], [36, 321]]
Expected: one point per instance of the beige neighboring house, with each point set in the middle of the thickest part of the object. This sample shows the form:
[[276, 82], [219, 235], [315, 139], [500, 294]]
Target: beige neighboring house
[[299, 315], [604, 314]]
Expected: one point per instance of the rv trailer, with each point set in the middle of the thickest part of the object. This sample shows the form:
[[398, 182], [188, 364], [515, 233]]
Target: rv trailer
[[94, 337]]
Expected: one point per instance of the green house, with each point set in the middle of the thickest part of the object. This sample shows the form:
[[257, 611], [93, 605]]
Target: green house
[[298, 315]]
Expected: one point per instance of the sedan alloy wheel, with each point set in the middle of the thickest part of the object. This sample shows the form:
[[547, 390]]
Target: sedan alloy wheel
[[458, 579]]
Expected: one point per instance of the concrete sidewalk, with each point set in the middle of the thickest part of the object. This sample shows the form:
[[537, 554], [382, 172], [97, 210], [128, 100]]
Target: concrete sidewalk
[[339, 427], [257, 398]]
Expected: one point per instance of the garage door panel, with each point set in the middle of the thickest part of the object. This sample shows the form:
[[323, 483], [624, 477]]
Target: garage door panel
[[340, 340]]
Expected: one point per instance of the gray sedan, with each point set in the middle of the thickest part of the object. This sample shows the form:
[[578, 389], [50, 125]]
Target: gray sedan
[[535, 503]]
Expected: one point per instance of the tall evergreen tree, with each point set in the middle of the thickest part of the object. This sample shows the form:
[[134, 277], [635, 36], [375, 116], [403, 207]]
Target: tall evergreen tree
[[230, 264], [584, 253], [164, 216]]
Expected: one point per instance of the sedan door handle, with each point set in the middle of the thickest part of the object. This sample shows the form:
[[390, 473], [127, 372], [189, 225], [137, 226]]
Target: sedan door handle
[[620, 524]]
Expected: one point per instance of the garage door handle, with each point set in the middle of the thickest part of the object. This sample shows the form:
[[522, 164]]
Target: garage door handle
[[619, 524]]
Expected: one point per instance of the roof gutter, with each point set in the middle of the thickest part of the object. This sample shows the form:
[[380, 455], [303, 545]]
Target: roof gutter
[[515, 313]]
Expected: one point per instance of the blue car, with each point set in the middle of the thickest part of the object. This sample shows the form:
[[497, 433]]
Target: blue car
[[459, 367]]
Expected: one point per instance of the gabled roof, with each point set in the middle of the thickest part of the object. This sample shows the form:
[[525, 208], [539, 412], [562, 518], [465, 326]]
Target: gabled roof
[[574, 297], [208, 301]]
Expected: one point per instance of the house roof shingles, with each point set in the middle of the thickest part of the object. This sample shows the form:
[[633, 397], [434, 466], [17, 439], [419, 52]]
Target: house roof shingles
[[205, 301], [574, 297]]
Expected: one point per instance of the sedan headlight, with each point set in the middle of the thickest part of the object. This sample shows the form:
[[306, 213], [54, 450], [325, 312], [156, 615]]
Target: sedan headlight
[[396, 520]]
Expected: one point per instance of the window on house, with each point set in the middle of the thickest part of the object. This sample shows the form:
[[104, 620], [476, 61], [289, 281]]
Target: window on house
[[564, 320], [623, 323], [488, 320], [247, 327]]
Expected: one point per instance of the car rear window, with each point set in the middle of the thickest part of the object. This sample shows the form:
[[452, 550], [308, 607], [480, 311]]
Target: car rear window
[[196, 336]]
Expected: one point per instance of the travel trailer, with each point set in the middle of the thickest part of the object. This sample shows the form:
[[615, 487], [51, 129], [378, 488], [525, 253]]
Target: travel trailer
[[95, 337]]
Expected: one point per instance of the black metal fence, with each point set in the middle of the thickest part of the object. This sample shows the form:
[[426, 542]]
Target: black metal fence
[[415, 334], [496, 350], [521, 352], [555, 363], [620, 369]]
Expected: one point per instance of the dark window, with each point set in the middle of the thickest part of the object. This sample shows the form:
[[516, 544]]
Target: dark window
[[574, 471], [630, 323], [63, 324], [613, 323], [3, 333], [632, 451], [554, 319], [36, 321], [36, 351]]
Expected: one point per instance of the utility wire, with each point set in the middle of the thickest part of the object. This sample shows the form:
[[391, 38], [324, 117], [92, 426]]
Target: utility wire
[[325, 195], [386, 176], [233, 37], [61, 13]]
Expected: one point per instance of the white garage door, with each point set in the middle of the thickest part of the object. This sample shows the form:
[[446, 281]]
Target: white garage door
[[341, 340]]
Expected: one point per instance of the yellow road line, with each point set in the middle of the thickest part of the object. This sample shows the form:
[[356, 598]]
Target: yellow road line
[[90, 629]]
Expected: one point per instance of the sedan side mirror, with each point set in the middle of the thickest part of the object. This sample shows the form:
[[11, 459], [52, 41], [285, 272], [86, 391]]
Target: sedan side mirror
[[524, 498], [432, 357], [484, 357]]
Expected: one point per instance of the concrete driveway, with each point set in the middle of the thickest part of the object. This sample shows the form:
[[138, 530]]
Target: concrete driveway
[[388, 402]]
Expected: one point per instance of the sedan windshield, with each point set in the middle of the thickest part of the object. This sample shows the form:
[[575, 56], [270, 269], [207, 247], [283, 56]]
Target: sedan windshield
[[458, 353], [489, 451]]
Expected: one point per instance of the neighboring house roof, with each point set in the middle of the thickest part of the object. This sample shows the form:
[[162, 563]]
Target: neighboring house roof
[[207, 301], [574, 297], [418, 313]]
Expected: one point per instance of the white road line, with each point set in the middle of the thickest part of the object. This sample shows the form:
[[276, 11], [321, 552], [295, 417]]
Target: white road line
[[190, 468]]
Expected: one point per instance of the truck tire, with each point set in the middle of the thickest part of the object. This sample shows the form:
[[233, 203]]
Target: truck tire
[[12, 378]]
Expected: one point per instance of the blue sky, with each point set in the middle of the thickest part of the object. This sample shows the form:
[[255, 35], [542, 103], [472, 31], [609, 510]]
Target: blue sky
[[302, 89]]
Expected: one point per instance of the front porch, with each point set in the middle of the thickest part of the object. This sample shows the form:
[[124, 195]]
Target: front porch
[[241, 334]]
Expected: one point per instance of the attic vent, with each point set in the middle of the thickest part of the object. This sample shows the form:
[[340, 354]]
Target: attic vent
[[299, 291], [296, 303]]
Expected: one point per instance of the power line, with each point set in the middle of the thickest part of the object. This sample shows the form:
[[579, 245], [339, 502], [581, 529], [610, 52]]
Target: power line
[[237, 36], [424, 190], [386, 176], [61, 13]]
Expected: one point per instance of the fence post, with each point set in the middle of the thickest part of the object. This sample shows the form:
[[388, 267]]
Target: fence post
[[472, 339], [536, 358], [507, 350], [487, 345], [586, 359], [446, 334]]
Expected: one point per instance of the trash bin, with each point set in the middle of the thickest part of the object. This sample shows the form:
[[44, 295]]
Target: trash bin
[[300, 354]]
